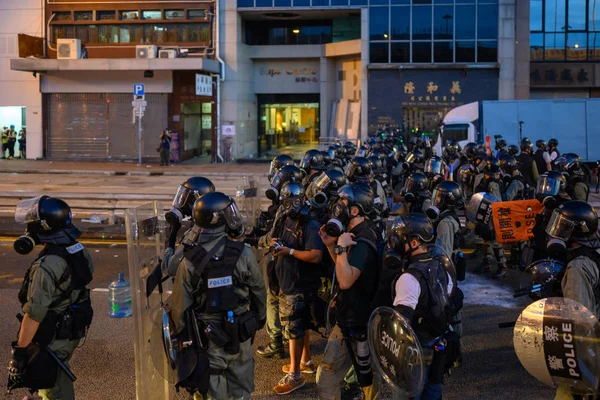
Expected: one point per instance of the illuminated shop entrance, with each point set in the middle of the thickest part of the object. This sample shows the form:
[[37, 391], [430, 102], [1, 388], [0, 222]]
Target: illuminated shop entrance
[[287, 126]]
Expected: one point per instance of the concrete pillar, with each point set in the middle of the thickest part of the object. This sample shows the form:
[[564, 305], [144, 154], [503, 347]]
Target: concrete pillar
[[522, 50], [506, 49], [364, 62]]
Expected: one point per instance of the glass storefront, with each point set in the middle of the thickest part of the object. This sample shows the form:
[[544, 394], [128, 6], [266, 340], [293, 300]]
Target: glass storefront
[[288, 128], [197, 127]]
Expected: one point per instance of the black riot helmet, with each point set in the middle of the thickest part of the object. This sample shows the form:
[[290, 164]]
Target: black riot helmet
[[413, 226], [479, 160], [573, 220], [452, 147], [470, 149], [277, 163], [416, 183], [492, 166], [362, 151], [358, 195], [501, 143], [415, 157], [376, 165], [526, 144], [434, 166], [327, 185], [332, 151], [541, 144], [551, 184], [359, 169], [507, 164], [552, 143], [189, 191], [287, 173], [292, 195], [513, 150], [569, 162], [466, 175], [43, 214], [326, 158], [313, 159], [214, 210], [446, 195]]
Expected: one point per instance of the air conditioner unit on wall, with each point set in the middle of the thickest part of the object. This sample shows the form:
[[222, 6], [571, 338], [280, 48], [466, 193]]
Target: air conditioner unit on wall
[[145, 51], [167, 53], [68, 49]]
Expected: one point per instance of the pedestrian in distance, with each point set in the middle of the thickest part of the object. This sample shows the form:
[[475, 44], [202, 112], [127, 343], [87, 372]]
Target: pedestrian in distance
[[12, 140], [4, 141], [22, 143], [165, 147]]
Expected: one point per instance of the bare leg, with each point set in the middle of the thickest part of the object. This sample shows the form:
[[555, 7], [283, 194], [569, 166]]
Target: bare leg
[[306, 355], [296, 348]]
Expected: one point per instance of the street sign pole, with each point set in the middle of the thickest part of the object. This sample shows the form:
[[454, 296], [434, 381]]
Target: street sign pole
[[139, 103], [140, 139]]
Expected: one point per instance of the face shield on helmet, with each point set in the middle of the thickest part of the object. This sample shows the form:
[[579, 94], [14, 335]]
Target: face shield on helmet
[[183, 196], [548, 186], [272, 170], [332, 154], [305, 162], [434, 166], [28, 210], [233, 219], [322, 182], [350, 169], [560, 227]]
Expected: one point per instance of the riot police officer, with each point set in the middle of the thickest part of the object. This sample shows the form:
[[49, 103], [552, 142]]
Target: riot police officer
[[542, 158], [54, 296], [553, 149], [446, 199], [500, 146], [219, 284], [576, 186], [360, 170], [354, 253], [278, 162], [527, 165], [323, 190], [452, 154], [187, 193], [422, 296], [435, 170], [312, 164], [513, 179], [417, 197], [491, 182]]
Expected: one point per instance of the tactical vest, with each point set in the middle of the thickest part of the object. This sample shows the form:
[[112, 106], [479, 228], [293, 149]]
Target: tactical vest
[[484, 185], [431, 316], [593, 255], [457, 235], [526, 168], [539, 162], [216, 276]]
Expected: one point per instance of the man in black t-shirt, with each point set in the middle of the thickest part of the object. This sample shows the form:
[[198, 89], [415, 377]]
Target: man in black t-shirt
[[356, 274]]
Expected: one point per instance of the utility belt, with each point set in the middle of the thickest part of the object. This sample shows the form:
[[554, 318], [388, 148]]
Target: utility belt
[[229, 336], [71, 324]]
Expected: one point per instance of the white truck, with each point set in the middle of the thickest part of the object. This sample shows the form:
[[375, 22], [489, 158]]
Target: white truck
[[575, 123]]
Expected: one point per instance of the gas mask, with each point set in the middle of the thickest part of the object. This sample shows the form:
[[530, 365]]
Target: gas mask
[[433, 213], [393, 261], [557, 249], [26, 243], [340, 218], [272, 193], [320, 200], [295, 207]]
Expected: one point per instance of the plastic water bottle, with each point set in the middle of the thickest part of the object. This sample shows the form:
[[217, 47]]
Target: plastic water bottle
[[119, 298]]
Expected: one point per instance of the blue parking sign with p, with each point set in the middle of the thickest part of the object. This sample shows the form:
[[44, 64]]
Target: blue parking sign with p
[[138, 89]]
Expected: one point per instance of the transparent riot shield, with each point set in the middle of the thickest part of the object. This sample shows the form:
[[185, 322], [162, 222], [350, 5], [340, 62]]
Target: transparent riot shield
[[557, 340], [396, 351], [154, 376], [248, 199]]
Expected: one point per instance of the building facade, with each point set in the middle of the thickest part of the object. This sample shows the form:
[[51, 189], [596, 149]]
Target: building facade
[[286, 73], [565, 49]]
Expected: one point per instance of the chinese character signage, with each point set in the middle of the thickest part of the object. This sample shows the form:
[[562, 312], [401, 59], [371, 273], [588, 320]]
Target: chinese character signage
[[569, 75], [392, 90], [274, 76], [514, 220]]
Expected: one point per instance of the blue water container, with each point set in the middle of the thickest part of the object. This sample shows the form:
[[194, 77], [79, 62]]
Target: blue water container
[[119, 298]]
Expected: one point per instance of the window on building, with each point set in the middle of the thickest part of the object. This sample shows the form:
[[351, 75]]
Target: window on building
[[264, 3], [157, 14], [443, 52], [301, 3], [487, 51], [465, 22], [130, 15], [535, 15], [577, 9], [61, 16], [106, 15], [245, 3], [333, 2], [487, 21], [443, 22], [196, 14], [359, 2], [174, 14], [84, 15], [400, 23], [400, 52], [378, 52], [394, 2], [594, 46], [283, 3], [421, 22], [379, 2], [421, 52], [536, 46], [555, 16], [554, 47], [465, 51], [379, 23], [577, 47], [594, 16]]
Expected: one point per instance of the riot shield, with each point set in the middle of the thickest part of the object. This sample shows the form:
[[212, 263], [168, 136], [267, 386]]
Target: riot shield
[[248, 199], [396, 351], [541, 279], [154, 375], [557, 340]]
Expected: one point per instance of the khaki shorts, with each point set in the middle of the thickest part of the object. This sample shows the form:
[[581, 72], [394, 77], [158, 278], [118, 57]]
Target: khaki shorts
[[294, 314]]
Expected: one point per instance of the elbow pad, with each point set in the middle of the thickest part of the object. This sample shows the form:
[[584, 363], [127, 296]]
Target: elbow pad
[[174, 217], [406, 312]]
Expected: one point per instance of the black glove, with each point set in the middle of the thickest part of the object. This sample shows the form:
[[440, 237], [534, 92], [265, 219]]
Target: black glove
[[16, 366]]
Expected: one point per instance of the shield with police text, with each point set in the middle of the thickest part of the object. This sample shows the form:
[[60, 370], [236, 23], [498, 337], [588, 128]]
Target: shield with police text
[[154, 373], [396, 351], [248, 199], [557, 340]]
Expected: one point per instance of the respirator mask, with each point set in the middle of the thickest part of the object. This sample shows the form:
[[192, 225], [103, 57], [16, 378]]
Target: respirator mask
[[340, 218]]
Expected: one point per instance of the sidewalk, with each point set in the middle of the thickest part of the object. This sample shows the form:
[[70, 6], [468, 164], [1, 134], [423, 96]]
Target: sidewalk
[[129, 168]]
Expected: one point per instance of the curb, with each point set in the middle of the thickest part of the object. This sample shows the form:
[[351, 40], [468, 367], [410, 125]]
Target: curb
[[127, 173]]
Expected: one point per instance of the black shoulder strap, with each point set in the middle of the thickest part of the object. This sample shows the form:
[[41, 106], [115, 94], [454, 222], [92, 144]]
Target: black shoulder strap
[[200, 257], [233, 252], [369, 242]]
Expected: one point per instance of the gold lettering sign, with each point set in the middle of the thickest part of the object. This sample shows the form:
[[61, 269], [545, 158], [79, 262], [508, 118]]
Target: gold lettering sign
[[300, 71]]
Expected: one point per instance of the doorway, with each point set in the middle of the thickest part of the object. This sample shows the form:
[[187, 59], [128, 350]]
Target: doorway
[[13, 117], [289, 124]]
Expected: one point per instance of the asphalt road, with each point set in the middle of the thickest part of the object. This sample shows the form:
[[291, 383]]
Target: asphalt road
[[105, 364]]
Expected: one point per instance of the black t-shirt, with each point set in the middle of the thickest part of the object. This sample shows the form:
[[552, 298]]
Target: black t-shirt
[[296, 276]]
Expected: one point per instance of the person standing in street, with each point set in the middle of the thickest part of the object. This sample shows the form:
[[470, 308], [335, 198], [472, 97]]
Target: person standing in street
[[12, 140], [165, 147], [4, 142], [22, 143], [55, 298]]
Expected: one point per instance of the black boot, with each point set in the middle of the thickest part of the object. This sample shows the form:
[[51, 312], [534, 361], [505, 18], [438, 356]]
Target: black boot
[[273, 349], [485, 266]]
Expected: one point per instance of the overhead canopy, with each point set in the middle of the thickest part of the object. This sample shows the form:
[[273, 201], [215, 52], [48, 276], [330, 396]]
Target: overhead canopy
[[114, 64]]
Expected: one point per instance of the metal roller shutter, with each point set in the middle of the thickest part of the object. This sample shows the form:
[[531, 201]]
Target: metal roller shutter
[[99, 126]]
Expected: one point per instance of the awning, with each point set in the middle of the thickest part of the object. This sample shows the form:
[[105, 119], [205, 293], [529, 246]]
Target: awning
[[114, 64]]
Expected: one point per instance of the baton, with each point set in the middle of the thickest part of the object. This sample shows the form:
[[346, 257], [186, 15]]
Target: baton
[[62, 365], [525, 291], [502, 325]]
